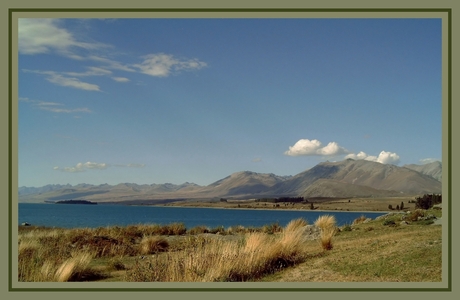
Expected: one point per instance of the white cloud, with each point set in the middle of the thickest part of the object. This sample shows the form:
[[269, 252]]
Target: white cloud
[[49, 36], [383, 158], [92, 71], [56, 78], [314, 147], [388, 158], [111, 64], [130, 165], [162, 65], [72, 82], [425, 161], [54, 106], [360, 155], [257, 159], [120, 79], [36, 36], [82, 167]]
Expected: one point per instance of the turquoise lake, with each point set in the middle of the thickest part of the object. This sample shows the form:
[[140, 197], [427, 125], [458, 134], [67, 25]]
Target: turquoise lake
[[93, 216]]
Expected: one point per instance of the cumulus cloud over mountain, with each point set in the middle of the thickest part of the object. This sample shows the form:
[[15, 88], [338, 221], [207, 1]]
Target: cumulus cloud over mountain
[[314, 147], [383, 158], [306, 147]]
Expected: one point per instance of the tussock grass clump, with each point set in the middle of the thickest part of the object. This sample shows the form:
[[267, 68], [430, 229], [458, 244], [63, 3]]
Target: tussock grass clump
[[198, 230], [153, 244], [116, 263], [326, 238], [218, 230], [327, 223], [414, 216], [272, 228], [73, 269], [294, 225], [225, 260], [359, 220]]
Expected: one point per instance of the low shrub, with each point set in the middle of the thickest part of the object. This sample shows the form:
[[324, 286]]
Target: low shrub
[[198, 230], [272, 228], [415, 215], [153, 244], [389, 222], [218, 230], [359, 220], [346, 227], [116, 263]]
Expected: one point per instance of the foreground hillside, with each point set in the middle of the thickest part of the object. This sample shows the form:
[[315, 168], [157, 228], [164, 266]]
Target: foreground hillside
[[401, 247], [348, 178]]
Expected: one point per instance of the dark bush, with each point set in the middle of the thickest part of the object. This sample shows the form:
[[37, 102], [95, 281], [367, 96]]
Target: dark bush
[[427, 201]]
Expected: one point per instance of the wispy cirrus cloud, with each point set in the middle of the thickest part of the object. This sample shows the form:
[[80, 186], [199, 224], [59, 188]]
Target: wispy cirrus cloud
[[83, 167], [121, 79], [49, 36], [92, 71], [62, 80], [54, 106], [425, 161], [38, 36], [130, 165], [163, 65]]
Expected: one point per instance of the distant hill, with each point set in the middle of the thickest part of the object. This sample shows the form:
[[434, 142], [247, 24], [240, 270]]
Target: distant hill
[[244, 183], [362, 173], [433, 169], [335, 189], [348, 178]]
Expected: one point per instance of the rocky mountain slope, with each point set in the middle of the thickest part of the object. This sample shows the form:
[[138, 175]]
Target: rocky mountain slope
[[433, 169], [348, 178]]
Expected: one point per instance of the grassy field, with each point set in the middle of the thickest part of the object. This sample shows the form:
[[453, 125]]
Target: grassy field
[[365, 251]]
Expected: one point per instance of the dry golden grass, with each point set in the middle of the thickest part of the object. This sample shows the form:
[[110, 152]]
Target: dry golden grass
[[325, 221], [72, 268], [368, 252], [326, 237], [373, 252], [224, 259], [296, 224], [153, 244], [359, 220]]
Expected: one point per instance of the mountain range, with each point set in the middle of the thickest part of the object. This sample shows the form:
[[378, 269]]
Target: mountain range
[[347, 178]]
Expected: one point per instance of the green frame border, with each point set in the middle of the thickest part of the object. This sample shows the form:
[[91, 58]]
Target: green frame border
[[235, 10]]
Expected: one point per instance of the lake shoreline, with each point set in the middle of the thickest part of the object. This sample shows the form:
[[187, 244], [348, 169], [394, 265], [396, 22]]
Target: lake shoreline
[[272, 209], [359, 205]]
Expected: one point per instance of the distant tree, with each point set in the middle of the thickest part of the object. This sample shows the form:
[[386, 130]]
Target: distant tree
[[311, 206], [390, 206], [402, 205], [427, 201], [397, 207]]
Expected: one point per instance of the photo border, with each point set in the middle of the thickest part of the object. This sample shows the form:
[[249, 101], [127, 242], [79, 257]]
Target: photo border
[[447, 132]]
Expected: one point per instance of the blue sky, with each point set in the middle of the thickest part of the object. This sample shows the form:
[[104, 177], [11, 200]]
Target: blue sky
[[194, 100]]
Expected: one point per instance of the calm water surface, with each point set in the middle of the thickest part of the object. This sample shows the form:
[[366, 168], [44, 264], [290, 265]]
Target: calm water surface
[[93, 216]]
